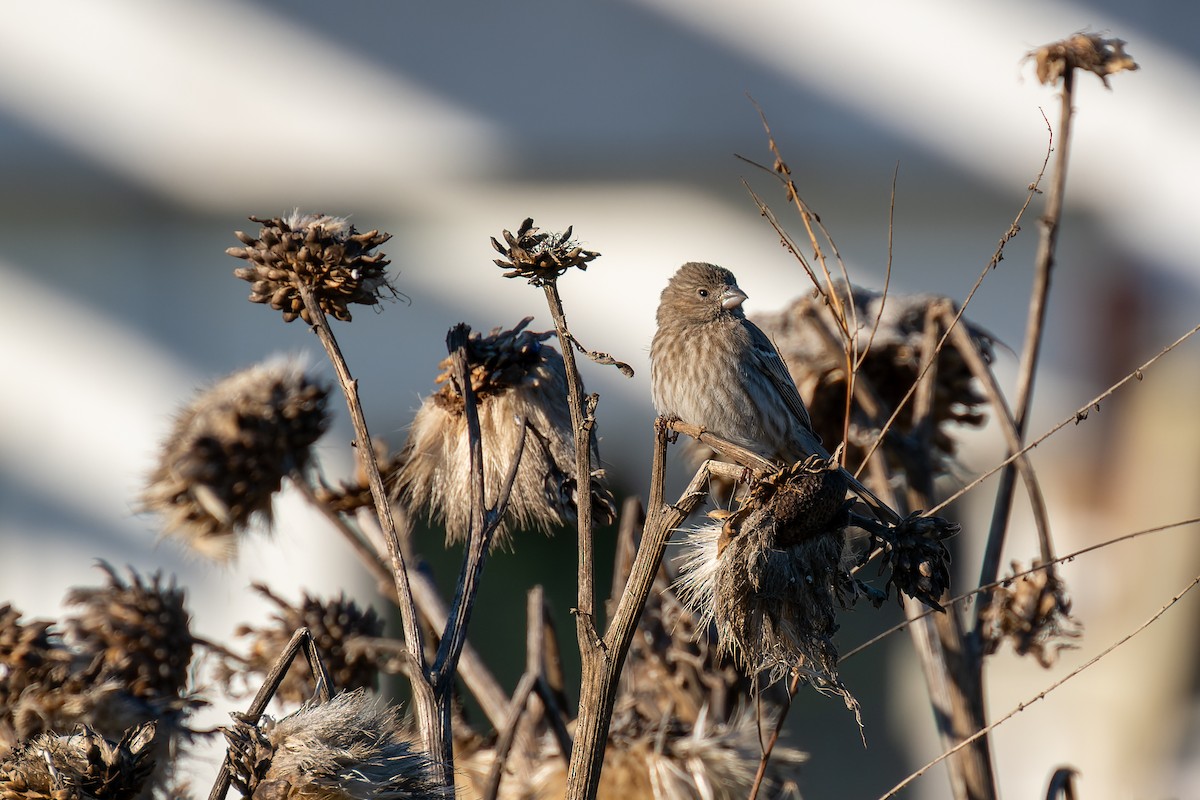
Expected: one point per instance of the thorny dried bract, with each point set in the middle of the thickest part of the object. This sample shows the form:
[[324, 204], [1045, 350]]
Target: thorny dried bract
[[515, 376], [80, 766], [322, 252], [1086, 51], [334, 624], [350, 748], [915, 553], [540, 257], [229, 451], [806, 336], [1033, 612], [121, 661]]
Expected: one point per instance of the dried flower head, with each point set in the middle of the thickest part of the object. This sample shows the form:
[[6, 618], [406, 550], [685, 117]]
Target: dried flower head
[[353, 494], [118, 663], [514, 374], [80, 766], [138, 633], [915, 552], [230, 450], [1033, 612], [321, 252], [333, 625], [807, 338], [540, 257], [351, 748], [769, 576], [1086, 51], [662, 759]]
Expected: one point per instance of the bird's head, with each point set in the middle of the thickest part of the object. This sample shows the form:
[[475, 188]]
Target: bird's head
[[700, 293]]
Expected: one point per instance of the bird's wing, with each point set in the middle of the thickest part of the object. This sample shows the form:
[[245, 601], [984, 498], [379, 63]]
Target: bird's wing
[[778, 372]]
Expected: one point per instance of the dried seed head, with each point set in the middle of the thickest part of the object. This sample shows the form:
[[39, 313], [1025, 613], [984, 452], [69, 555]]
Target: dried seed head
[[334, 624], [137, 634], [80, 766], [354, 494], [351, 748], [769, 576], [1086, 51], [32, 662], [316, 250], [540, 257], [916, 554], [1034, 613], [662, 759], [230, 450], [514, 374], [808, 341]]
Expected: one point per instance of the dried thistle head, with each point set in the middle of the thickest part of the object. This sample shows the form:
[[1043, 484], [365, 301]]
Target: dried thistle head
[[1090, 52], [915, 552], [663, 759], [333, 623], [351, 748], [79, 766], [353, 494], [540, 257], [321, 252], [33, 661], [1033, 612], [230, 450], [138, 632], [807, 337], [768, 578], [514, 374]]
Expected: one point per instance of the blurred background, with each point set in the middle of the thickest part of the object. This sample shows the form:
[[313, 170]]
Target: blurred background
[[135, 137]]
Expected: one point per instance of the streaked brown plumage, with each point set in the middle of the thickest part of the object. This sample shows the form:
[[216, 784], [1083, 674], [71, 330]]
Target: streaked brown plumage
[[712, 367]]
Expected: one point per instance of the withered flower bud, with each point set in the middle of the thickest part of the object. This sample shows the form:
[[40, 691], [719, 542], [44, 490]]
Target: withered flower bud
[[138, 631], [32, 663], [351, 748], [80, 766], [333, 625], [319, 251], [807, 338], [230, 450], [1090, 52], [540, 257], [769, 575], [1034, 613], [514, 374], [916, 554]]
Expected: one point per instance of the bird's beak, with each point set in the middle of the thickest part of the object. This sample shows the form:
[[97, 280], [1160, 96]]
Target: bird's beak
[[732, 298]]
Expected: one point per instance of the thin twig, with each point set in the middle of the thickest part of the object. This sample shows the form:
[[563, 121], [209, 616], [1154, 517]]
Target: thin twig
[[997, 256], [270, 685], [1022, 706], [1079, 415], [1035, 326], [534, 657], [1038, 568], [887, 272], [433, 735], [1011, 432]]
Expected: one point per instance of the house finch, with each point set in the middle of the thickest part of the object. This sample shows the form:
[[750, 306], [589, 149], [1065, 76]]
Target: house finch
[[712, 367]]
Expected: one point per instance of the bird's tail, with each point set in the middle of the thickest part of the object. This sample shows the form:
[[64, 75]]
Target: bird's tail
[[882, 511]]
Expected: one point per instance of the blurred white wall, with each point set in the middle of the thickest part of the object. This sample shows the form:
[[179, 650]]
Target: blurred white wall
[[136, 136]]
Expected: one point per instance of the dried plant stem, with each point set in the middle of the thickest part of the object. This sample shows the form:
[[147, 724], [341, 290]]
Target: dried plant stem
[[535, 654], [602, 666], [1022, 706], [1035, 326], [582, 424], [434, 737], [777, 730], [1012, 434], [953, 678], [1062, 784], [270, 684]]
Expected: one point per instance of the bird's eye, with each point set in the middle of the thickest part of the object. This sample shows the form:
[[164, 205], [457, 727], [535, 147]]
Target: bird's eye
[[702, 292]]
